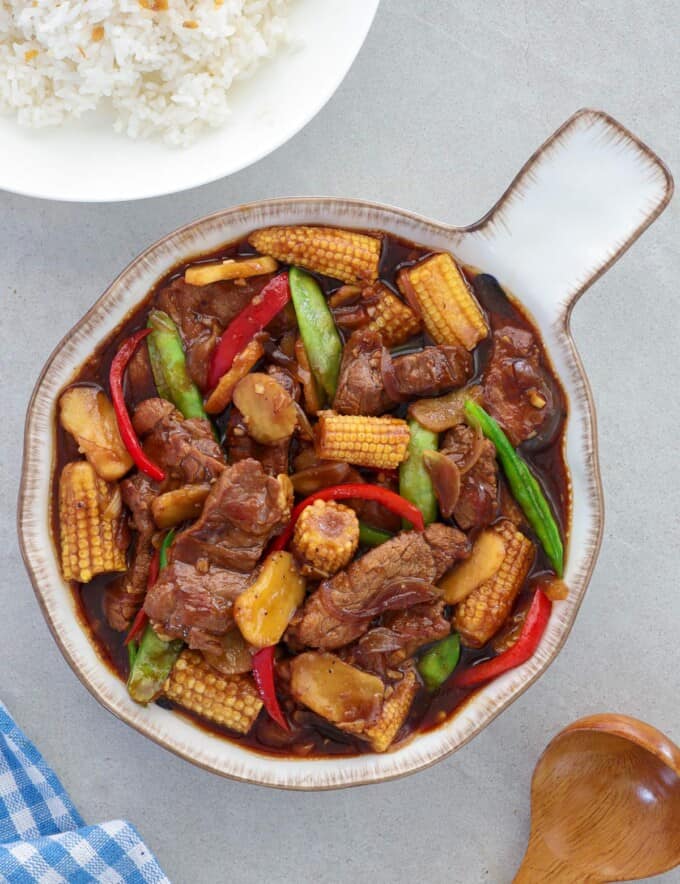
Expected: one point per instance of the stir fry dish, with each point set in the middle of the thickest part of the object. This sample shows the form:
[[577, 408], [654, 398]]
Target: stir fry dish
[[312, 493]]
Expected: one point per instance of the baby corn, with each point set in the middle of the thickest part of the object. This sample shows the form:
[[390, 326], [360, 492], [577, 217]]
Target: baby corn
[[449, 309], [391, 317], [90, 523], [379, 442], [394, 713], [479, 616], [230, 701], [341, 254], [326, 537]]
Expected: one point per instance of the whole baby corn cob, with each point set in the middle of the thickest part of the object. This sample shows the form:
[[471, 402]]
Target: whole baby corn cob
[[391, 317], [90, 522], [380, 442], [342, 254], [448, 306], [394, 713], [326, 537], [479, 616], [230, 701]]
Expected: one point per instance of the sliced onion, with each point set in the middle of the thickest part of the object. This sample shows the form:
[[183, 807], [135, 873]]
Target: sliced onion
[[381, 640], [474, 453], [314, 478], [233, 656], [389, 377], [304, 425], [346, 294], [443, 412], [114, 506], [276, 355], [351, 317], [445, 477], [407, 290], [392, 596]]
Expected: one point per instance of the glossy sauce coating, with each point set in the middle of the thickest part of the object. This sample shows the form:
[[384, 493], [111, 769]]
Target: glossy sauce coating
[[313, 736]]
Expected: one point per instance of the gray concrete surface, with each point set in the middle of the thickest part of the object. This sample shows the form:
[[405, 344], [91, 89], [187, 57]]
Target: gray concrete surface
[[445, 102]]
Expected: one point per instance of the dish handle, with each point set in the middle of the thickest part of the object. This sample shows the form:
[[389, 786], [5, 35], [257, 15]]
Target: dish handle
[[578, 203]]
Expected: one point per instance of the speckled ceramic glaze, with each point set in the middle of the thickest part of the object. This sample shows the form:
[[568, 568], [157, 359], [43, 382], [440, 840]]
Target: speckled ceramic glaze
[[574, 208]]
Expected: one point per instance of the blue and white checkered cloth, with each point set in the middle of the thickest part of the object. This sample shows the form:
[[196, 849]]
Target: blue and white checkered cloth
[[43, 838]]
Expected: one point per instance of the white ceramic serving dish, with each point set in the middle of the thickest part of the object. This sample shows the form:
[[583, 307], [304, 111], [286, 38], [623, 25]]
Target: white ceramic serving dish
[[574, 208], [86, 161]]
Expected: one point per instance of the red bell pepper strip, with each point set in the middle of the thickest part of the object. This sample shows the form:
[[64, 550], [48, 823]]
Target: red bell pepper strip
[[523, 649], [137, 628], [263, 670], [251, 320], [141, 619], [389, 499], [127, 432]]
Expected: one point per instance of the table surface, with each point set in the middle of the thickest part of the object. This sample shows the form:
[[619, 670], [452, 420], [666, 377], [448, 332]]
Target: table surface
[[443, 105]]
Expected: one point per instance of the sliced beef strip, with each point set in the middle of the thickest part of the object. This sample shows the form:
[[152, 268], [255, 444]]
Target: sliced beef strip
[[314, 623], [477, 504], [138, 493], [518, 390], [124, 596], [375, 514], [360, 384], [510, 509], [188, 452], [193, 605], [431, 371], [427, 372], [423, 555], [203, 312], [211, 562], [140, 381], [399, 636], [186, 449], [244, 510], [241, 446]]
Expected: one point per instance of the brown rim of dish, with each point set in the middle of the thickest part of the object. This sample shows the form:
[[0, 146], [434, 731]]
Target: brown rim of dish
[[594, 489]]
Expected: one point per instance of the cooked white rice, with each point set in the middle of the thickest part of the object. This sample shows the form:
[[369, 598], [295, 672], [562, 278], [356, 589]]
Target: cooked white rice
[[162, 70]]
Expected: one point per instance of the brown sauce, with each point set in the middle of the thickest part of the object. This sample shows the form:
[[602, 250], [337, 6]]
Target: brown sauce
[[314, 737]]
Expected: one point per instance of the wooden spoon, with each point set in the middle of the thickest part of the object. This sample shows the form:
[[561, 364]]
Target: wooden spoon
[[605, 804]]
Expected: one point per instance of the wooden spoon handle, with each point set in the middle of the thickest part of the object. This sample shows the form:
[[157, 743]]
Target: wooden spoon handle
[[541, 866]]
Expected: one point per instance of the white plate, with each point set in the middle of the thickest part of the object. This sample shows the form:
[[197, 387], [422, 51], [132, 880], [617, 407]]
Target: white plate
[[85, 161]]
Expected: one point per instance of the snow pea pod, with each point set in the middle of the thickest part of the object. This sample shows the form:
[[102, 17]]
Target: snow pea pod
[[523, 484], [317, 329]]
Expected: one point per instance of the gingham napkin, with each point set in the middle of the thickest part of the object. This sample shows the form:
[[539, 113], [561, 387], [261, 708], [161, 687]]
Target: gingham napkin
[[43, 838]]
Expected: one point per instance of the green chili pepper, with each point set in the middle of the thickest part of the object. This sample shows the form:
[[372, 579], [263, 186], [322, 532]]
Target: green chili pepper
[[317, 329], [524, 486], [370, 536], [437, 663], [154, 658], [163, 551], [169, 366], [414, 480], [132, 649]]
